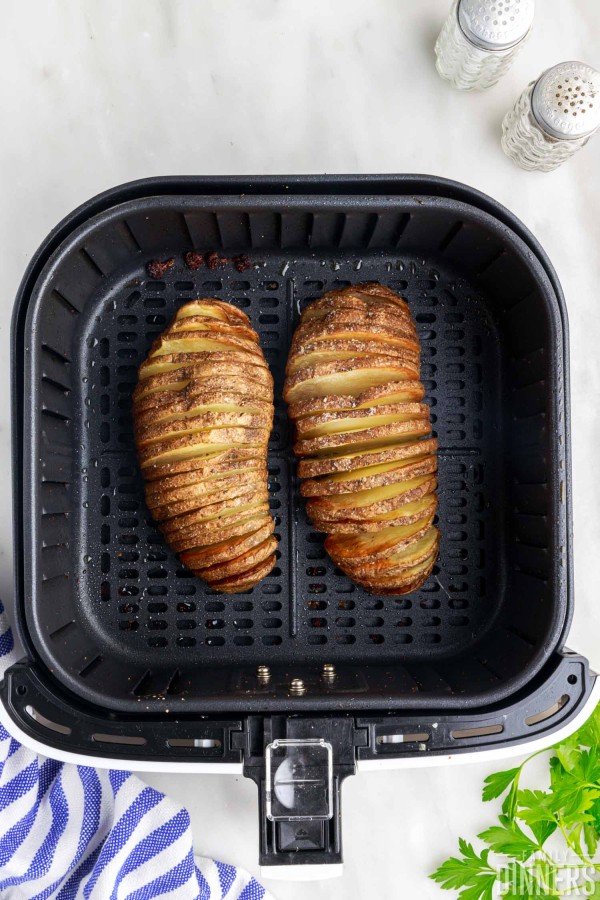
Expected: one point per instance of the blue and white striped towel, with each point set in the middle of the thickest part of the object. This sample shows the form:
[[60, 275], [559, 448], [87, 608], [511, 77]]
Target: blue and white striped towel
[[75, 833]]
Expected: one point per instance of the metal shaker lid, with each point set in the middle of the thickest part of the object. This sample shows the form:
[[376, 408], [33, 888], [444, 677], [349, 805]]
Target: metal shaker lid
[[495, 24], [566, 100]]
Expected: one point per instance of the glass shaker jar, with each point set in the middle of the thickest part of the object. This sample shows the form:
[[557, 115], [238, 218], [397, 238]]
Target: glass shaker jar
[[480, 39], [553, 117]]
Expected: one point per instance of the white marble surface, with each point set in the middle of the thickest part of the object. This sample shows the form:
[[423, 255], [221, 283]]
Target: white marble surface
[[97, 92]]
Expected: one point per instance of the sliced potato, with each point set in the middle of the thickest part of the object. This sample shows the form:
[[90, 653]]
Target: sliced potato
[[236, 565], [359, 419], [212, 440], [204, 390], [180, 426], [221, 510], [201, 342], [362, 505], [350, 461], [235, 456], [396, 585], [320, 353], [369, 477], [412, 554], [231, 548], [207, 475], [358, 312], [404, 515], [215, 308], [369, 332], [370, 546], [365, 439], [180, 410], [236, 584], [180, 327], [205, 362], [170, 508], [347, 377], [392, 392], [199, 536]]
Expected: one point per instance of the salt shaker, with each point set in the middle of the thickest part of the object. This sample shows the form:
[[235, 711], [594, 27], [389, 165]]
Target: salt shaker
[[480, 39], [553, 117]]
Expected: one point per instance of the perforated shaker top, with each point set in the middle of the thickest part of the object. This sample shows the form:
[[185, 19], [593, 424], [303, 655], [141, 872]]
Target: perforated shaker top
[[495, 24], [566, 100]]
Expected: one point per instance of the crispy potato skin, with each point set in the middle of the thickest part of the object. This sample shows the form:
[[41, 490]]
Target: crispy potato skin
[[367, 460], [203, 413]]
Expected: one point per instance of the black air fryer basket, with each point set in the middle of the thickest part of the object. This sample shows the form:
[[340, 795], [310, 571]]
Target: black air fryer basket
[[132, 660]]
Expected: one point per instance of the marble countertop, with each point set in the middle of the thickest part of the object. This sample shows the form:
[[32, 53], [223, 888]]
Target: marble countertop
[[97, 93]]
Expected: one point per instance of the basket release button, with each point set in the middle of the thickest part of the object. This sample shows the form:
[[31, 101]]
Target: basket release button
[[300, 836]]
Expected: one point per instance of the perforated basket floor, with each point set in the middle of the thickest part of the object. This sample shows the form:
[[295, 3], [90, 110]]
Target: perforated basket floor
[[113, 611]]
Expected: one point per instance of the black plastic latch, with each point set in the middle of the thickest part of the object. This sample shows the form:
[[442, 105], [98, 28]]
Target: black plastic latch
[[299, 765]]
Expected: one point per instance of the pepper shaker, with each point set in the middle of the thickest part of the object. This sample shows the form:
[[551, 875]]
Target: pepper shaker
[[480, 39], [553, 117]]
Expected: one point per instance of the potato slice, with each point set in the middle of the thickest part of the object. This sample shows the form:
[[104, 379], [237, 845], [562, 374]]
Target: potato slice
[[378, 334], [365, 439], [223, 551], [237, 584], [356, 298], [201, 443], [205, 361], [347, 377], [218, 530], [404, 515], [223, 509], [357, 459], [359, 505], [239, 564], [204, 390], [374, 314], [370, 477], [322, 352], [180, 327], [412, 554], [396, 585], [204, 465], [212, 471], [187, 484], [201, 342], [223, 490], [216, 502], [393, 392], [215, 308], [359, 419], [371, 546], [192, 407], [180, 426]]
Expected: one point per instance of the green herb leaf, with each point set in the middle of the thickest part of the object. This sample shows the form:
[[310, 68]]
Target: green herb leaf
[[471, 872], [590, 836], [567, 755], [535, 808], [497, 783], [508, 838], [572, 804]]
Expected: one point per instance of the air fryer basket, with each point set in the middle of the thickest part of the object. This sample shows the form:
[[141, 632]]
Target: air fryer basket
[[119, 632]]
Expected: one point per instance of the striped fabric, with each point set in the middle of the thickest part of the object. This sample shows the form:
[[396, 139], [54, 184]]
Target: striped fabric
[[75, 833]]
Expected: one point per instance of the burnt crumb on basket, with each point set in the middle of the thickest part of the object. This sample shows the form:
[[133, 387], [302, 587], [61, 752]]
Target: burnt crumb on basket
[[193, 260], [156, 269], [215, 261], [241, 262]]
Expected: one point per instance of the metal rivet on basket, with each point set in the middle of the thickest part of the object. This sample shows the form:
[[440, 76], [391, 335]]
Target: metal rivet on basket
[[329, 672], [263, 673], [297, 686]]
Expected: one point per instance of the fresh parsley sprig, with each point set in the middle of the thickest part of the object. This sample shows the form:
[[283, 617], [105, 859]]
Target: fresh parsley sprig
[[522, 866]]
